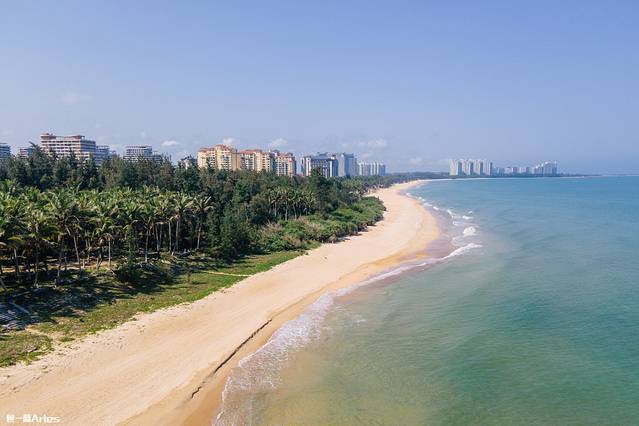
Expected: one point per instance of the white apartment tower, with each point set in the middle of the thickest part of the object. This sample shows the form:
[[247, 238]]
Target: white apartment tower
[[372, 169], [468, 167], [65, 146], [142, 153]]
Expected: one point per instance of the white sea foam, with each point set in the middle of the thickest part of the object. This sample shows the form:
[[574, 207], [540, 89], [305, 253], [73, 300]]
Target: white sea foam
[[260, 371], [470, 231], [467, 217], [461, 250]]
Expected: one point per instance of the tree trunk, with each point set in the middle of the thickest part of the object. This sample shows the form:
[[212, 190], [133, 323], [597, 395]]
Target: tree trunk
[[77, 252], [60, 251], [35, 268], [4, 287], [98, 260], [146, 247], [16, 265], [177, 235], [157, 232], [199, 234]]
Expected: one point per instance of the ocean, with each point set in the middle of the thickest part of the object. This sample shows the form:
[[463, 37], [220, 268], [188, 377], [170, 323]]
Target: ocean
[[531, 316]]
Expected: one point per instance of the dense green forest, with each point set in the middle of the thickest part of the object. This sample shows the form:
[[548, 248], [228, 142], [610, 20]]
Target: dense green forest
[[57, 214], [84, 248]]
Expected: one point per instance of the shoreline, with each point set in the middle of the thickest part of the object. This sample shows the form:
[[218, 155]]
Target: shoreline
[[171, 366]]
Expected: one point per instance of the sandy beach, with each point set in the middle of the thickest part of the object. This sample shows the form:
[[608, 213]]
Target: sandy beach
[[169, 367]]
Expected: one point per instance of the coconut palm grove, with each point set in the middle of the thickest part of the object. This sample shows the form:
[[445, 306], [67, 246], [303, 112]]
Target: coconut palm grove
[[83, 248]]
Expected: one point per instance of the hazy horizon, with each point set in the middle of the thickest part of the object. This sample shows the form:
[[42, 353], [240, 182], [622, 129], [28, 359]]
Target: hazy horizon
[[410, 84]]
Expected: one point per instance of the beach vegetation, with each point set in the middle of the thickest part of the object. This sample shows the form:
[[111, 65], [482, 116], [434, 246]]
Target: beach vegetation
[[84, 248]]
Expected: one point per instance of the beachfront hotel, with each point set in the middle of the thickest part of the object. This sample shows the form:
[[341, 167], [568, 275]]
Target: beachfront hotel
[[331, 165], [224, 157], [65, 146], [77, 145], [374, 168], [143, 153]]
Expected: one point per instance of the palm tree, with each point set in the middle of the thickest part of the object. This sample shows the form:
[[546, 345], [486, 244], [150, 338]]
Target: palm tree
[[103, 227], [12, 213], [64, 214], [37, 231], [202, 205], [148, 216], [183, 205]]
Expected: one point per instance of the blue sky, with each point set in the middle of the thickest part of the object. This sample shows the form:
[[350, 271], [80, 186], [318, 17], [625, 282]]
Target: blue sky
[[410, 83]]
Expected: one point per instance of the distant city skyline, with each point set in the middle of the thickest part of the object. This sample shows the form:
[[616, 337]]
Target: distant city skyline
[[412, 83]]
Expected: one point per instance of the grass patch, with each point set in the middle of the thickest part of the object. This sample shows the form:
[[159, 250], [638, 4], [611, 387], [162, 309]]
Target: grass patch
[[22, 346], [98, 301]]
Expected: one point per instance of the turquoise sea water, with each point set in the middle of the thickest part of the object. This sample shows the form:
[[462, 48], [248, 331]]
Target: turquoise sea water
[[534, 320]]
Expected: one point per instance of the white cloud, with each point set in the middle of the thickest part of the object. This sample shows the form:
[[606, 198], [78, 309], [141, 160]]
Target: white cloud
[[415, 160], [170, 143], [229, 141], [74, 98], [374, 143], [278, 143]]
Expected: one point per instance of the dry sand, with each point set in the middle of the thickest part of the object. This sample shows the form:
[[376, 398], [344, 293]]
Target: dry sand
[[169, 367]]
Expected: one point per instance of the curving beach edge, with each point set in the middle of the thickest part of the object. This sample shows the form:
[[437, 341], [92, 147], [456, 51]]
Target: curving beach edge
[[170, 366]]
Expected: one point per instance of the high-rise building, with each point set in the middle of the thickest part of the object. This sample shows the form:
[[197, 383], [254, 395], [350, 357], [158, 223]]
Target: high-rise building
[[222, 157], [456, 168], [257, 160], [478, 167], [331, 165], [346, 164], [326, 163], [487, 167], [143, 153], [64, 146], [285, 164], [549, 168], [468, 167], [102, 152], [137, 152], [5, 151], [187, 162], [25, 152], [374, 168], [219, 157]]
